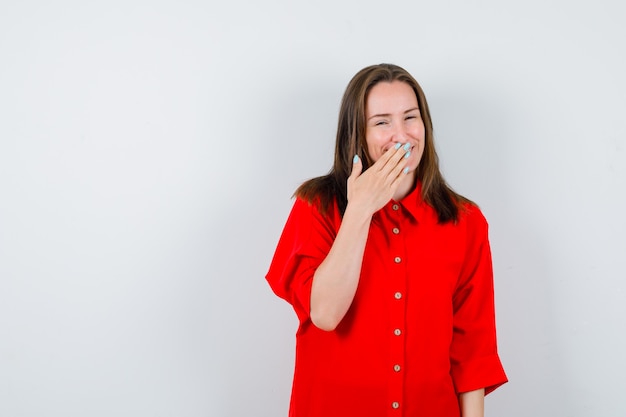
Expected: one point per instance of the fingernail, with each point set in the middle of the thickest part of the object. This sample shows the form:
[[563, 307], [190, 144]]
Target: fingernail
[[398, 145], [355, 159], [406, 170], [407, 146], [407, 154]]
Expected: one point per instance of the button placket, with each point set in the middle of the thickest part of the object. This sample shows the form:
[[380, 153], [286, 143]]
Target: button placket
[[398, 306]]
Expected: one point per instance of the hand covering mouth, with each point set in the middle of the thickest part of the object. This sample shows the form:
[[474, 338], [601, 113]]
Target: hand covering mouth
[[403, 144]]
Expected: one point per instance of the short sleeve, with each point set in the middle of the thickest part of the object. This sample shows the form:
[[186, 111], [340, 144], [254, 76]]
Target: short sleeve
[[304, 243], [475, 362]]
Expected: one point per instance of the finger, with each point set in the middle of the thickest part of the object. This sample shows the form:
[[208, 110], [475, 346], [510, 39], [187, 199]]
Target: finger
[[357, 168], [393, 157], [391, 152], [398, 174], [400, 168]]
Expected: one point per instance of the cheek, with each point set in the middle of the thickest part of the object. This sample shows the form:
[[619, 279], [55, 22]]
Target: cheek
[[373, 154], [416, 157], [419, 130], [373, 147]]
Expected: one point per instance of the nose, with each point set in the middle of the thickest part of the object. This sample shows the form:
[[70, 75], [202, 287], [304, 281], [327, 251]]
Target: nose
[[399, 133]]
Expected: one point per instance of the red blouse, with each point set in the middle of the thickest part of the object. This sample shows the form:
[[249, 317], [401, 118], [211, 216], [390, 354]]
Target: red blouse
[[421, 328]]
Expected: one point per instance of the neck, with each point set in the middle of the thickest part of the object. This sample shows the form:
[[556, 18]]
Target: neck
[[406, 186]]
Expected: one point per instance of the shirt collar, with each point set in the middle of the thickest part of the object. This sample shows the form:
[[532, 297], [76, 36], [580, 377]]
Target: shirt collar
[[415, 205]]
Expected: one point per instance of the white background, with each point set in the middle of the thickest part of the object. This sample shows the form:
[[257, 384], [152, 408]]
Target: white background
[[149, 149]]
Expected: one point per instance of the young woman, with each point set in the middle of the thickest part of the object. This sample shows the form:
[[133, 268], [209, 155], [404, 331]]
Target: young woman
[[388, 270]]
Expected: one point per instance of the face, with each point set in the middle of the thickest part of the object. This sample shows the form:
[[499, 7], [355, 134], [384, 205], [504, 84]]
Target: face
[[393, 116]]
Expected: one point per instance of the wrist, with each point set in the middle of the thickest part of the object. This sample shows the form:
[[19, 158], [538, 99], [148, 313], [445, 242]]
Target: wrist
[[358, 213]]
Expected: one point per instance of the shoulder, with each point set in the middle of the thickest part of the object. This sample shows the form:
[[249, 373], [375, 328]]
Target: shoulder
[[472, 213], [312, 211], [322, 192], [472, 218]]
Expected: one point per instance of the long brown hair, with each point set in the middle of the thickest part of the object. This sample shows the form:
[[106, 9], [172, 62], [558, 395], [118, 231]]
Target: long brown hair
[[351, 141]]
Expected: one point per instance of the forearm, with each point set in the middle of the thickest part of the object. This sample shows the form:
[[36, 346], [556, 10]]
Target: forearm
[[336, 279], [472, 403]]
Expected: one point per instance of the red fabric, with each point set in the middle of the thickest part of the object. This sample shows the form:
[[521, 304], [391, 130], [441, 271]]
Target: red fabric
[[438, 294]]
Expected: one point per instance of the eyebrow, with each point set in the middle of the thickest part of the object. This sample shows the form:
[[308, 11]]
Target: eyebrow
[[389, 114]]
